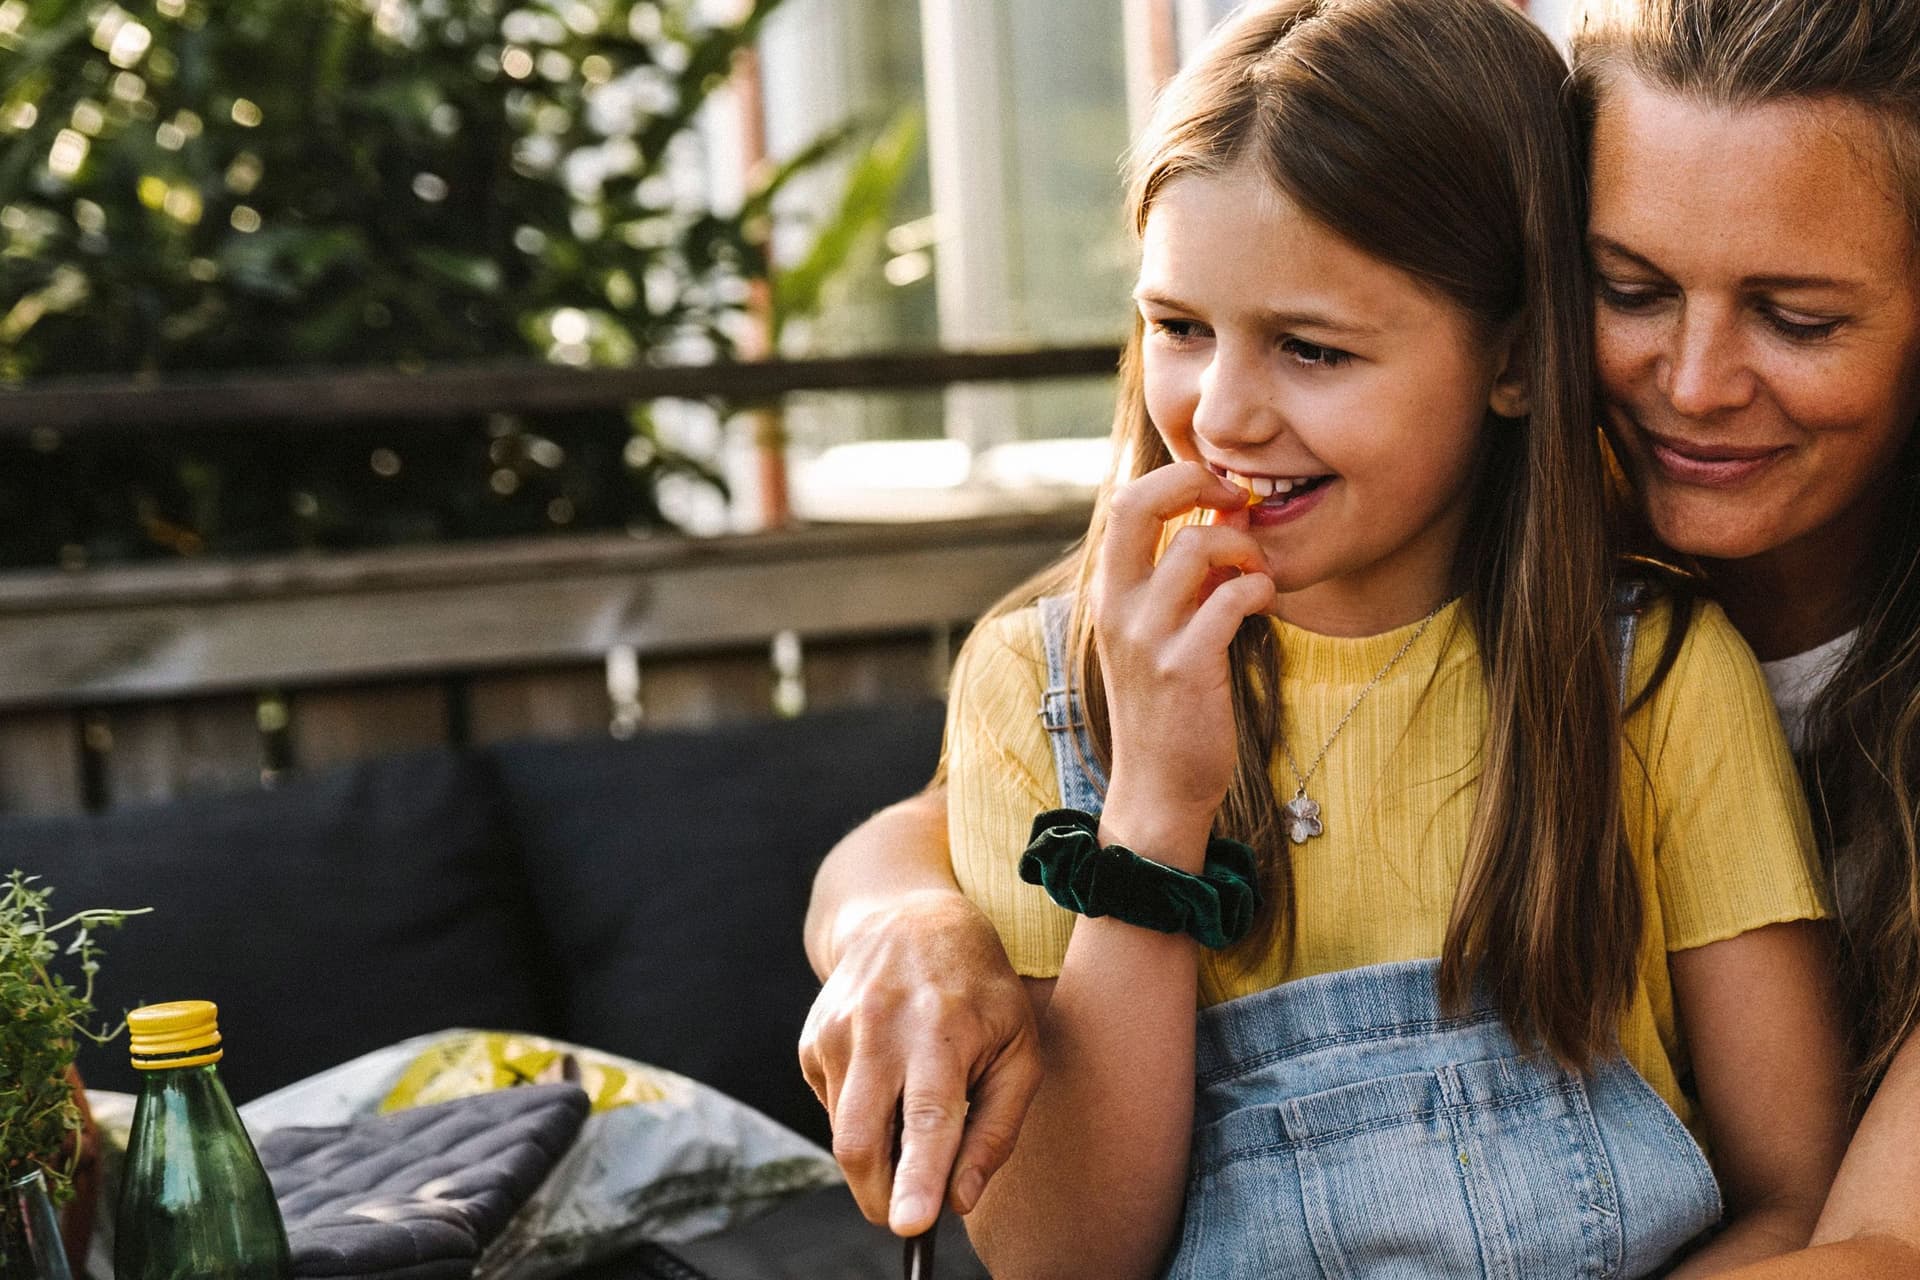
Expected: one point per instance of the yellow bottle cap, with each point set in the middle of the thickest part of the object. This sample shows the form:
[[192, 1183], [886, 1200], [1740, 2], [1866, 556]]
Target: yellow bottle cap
[[181, 1033]]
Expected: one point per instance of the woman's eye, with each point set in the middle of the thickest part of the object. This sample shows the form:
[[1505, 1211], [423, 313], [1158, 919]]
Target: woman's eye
[[1798, 328], [1625, 297], [1313, 355]]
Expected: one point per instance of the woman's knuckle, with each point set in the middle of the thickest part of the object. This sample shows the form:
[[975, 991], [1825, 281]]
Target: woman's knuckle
[[858, 1151], [993, 1141], [928, 1112]]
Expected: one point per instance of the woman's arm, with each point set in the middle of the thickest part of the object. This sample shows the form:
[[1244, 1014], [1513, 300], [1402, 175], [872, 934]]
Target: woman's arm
[[898, 852], [1768, 1063], [921, 1018], [1870, 1227]]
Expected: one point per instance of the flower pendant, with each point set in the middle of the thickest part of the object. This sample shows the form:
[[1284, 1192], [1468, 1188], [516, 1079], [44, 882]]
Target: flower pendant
[[1303, 818]]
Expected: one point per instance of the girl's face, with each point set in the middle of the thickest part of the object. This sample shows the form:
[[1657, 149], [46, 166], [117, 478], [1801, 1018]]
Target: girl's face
[[1758, 320], [1350, 394]]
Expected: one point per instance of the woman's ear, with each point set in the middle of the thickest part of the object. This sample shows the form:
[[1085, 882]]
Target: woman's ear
[[1512, 394]]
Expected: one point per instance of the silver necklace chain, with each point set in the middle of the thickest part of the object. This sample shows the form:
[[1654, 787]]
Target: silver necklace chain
[[1304, 814]]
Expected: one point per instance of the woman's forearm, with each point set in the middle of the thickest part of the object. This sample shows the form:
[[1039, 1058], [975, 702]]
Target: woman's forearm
[[1861, 1258], [1876, 1194], [1747, 1238], [1870, 1227], [899, 852]]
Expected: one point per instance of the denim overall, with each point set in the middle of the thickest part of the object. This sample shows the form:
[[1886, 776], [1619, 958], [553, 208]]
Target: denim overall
[[1346, 1128]]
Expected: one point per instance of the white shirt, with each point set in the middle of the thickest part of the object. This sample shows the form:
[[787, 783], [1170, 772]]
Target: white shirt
[[1796, 681]]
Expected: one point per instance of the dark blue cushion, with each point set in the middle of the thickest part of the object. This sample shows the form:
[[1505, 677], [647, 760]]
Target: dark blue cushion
[[671, 874], [330, 915]]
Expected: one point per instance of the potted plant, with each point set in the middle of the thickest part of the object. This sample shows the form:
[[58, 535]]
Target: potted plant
[[42, 1112]]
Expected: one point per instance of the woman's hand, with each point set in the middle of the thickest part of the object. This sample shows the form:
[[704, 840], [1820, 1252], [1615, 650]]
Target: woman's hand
[[1771, 1079], [1163, 631], [921, 1010]]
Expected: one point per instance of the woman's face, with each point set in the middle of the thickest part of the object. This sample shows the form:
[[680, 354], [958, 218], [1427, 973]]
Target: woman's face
[[1757, 317]]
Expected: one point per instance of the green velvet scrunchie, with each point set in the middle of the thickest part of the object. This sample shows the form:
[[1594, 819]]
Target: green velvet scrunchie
[[1065, 857]]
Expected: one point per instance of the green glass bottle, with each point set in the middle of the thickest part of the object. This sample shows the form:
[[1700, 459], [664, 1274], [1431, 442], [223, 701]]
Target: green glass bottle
[[194, 1202]]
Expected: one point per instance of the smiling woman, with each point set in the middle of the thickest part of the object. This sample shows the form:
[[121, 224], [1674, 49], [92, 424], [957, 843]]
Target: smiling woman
[[1762, 374], [1756, 194]]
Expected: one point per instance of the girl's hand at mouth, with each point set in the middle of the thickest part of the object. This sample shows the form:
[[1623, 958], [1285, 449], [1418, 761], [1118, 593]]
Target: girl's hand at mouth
[[1162, 630]]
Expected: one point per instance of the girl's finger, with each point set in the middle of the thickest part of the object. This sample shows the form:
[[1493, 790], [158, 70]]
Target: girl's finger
[[1142, 507], [1230, 604], [1145, 615], [1195, 563]]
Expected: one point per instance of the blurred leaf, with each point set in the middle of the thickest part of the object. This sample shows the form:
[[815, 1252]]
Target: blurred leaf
[[866, 203], [481, 275], [759, 201]]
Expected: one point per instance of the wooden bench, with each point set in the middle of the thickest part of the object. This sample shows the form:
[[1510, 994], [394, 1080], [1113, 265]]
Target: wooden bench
[[136, 684]]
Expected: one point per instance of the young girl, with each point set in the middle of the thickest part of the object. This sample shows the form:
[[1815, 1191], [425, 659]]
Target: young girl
[[1497, 939]]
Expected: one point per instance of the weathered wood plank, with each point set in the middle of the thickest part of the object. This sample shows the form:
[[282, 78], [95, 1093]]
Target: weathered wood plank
[[561, 703], [712, 688], [870, 671], [257, 401], [182, 630], [40, 763], [161, 751], [335, 726], [480, 563]]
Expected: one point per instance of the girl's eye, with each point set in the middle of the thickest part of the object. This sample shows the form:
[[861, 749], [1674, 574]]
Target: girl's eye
[[1313, 355], [1625, 298], [1798, 329], [1178, 331]]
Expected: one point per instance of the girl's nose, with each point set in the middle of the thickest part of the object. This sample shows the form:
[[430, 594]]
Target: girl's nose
[[1704, 370], [1236, 406]]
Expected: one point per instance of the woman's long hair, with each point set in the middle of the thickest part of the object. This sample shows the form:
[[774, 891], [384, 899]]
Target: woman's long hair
[[1435, 136], [1862, 762]]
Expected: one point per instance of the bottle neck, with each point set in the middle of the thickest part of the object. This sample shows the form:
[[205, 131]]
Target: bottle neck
[[196, 1087]]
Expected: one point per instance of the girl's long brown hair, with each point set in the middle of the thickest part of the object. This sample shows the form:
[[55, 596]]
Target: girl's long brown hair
[[1435, 136], [1862, 763]]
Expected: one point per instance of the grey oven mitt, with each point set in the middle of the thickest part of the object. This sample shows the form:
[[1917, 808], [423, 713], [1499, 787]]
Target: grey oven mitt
[[417, 1194]]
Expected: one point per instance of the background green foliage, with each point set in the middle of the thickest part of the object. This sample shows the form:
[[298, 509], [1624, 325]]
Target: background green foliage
[[212, 185]]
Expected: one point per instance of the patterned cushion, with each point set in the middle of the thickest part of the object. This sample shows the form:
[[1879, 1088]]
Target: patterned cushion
[[417, 1193]]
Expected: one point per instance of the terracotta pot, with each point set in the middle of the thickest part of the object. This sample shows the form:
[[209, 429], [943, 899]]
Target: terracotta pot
[[76, 1220]]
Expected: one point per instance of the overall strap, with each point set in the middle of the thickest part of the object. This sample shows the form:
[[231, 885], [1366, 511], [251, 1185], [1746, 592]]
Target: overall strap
[[1630, 599], [1082, 781]]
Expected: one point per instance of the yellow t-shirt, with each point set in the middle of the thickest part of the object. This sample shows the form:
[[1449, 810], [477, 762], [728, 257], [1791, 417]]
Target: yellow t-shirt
[[1714, 811]]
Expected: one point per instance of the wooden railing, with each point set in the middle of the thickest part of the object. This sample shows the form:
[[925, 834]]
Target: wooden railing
[[128, 685], [83, 405]]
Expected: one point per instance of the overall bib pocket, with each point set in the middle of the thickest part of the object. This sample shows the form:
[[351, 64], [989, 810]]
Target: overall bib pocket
[[1488, 1168]]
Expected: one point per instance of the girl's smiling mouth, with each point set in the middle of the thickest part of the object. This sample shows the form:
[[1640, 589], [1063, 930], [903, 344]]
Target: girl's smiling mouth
[[1277, 499]]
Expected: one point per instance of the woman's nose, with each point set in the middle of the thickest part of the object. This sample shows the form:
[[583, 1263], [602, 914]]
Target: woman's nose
[[1236, 405], [1704, 371]]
